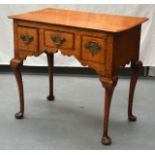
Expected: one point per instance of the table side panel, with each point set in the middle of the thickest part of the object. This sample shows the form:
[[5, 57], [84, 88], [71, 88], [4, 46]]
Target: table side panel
[[127, 45]]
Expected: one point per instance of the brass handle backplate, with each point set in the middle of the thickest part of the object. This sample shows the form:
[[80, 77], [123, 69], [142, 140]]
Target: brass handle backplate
[[27, 39], [58, 40], [93, 47]]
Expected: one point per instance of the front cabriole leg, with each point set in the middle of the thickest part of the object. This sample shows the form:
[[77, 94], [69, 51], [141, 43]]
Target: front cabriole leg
[[109, 85], [15, 64], [135, 66]]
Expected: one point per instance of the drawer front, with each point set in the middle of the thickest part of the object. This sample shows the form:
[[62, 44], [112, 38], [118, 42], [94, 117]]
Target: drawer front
[[93, 49], [59, 39], [27, 39]]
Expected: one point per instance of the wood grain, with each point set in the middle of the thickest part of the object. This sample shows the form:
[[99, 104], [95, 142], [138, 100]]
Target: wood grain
[[68, 44], [87, 20], [33, 46]]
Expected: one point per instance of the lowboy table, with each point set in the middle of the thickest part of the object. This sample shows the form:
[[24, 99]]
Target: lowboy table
[[102, 42]]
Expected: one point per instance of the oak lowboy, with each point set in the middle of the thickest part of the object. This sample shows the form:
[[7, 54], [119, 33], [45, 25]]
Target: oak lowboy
[[102, 42]]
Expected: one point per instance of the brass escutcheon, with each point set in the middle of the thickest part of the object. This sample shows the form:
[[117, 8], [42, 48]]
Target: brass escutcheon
[[27, 39], [58, 40], [93, 47]]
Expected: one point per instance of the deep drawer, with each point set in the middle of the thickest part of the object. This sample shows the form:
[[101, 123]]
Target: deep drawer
[[27, 39], [93, 49]]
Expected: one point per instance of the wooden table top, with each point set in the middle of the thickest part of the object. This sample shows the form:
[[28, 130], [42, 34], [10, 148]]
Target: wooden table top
[[88, 20]]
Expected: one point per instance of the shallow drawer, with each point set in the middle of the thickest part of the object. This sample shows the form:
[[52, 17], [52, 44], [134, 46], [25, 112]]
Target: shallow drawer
[[59, 39], [93, 49], [27, 39]]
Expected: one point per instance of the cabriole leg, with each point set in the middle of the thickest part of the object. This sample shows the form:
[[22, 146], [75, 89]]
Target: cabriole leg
[[109, 85], [135, 71], [50, 57], [15, 64]]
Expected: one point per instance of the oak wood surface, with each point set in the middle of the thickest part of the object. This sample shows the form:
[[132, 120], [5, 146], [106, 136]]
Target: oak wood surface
[[87, 20]]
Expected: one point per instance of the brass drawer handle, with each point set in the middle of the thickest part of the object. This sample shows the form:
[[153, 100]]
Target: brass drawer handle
[[58, 40], [93, 47], [27, 39]]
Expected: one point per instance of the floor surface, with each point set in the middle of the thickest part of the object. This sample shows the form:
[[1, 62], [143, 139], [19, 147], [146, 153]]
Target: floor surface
[[74, 119]]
